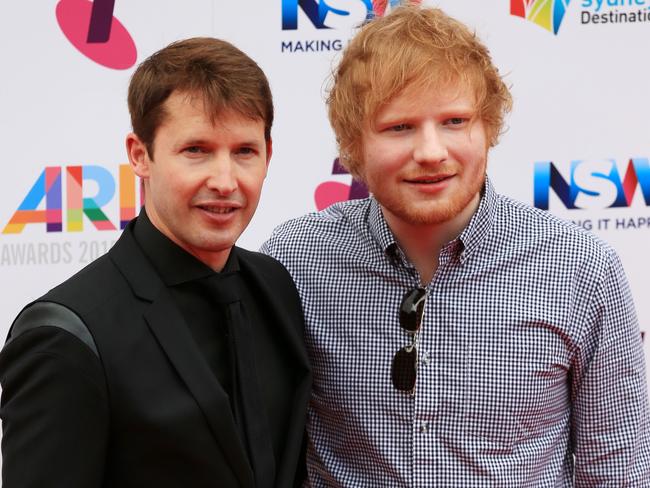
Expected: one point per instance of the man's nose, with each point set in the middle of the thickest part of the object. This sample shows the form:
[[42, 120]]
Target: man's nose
[[222, 178], [430, 146]]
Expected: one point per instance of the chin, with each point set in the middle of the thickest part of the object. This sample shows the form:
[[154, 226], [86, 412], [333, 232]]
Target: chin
[[222, 245], [426, 216]]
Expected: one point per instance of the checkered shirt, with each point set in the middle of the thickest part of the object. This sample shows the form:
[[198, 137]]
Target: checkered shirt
[[530, 363]]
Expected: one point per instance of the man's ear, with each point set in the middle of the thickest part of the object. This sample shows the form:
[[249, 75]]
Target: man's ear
[[138, 156]]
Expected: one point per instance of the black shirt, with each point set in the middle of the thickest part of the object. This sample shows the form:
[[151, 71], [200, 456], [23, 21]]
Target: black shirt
[[226, 315], [198, 292]]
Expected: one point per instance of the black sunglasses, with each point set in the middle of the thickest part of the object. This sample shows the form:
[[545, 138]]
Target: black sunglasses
[[405, 363]]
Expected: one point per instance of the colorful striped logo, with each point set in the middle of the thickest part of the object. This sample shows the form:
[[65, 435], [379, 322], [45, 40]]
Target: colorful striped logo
[[545, 13], [49, 188]]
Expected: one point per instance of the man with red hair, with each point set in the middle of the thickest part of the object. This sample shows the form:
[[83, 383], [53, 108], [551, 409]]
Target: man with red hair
[[458, 338]]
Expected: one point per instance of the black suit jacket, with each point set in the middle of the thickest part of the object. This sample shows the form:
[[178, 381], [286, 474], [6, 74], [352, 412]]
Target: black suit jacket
[[103, 385]]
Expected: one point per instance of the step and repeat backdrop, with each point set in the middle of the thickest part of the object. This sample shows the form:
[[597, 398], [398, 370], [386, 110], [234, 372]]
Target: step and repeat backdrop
[[577, 142]]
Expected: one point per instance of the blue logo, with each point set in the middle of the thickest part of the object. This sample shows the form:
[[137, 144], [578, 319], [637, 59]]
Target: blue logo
[[592, 184], [318, 11]]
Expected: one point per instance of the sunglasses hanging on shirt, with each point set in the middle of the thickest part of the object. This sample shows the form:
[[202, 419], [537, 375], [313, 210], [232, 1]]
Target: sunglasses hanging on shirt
[[405, 362]]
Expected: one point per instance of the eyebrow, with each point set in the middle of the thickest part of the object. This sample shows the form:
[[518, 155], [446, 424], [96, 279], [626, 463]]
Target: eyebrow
[[193, 142], [406, 115], [253, 143], [207, 142]]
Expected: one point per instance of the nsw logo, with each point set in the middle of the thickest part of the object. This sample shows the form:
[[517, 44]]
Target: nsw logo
[[545, 13], [592, 185], [327, 15], [92, 29], [331, 14], [321, 13]]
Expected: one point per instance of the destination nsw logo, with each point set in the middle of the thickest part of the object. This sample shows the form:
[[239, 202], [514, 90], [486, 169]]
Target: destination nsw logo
[[92, 29], [603, 12], [550, 14], [323, 16], [48, 190], [545, 13]]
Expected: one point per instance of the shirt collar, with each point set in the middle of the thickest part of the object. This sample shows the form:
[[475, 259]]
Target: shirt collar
[[481, 222], [468, 240], [380, 231], [173, 263]]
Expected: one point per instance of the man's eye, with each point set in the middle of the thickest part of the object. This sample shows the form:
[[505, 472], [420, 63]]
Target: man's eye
[[194, 149], [399, 127], [456, 121], [246, 150]]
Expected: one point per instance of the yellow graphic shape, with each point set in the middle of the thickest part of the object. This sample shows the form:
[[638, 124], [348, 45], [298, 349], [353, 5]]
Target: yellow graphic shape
[[541, 13]]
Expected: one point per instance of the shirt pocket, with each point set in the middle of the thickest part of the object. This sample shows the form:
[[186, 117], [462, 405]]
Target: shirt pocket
[[514, 396]]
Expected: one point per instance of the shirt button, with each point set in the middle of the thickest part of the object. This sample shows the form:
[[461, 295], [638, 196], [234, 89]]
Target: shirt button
[[424, 428]]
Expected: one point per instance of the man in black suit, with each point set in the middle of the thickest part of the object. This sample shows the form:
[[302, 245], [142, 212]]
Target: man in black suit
[[177, 358]]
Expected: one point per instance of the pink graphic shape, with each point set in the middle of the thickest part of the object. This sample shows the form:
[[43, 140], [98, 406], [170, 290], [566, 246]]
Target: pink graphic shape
[[630, 181], [329, 193], [51, 177], [103, 225], [75, 199], [53, 215], [379, 7], [118, 52]]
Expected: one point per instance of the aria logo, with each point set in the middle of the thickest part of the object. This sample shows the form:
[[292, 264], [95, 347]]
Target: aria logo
[[92, 29], [545, 13], [49, 189]]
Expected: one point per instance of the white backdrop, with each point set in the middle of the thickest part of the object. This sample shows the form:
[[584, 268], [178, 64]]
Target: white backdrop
[[581, 112]]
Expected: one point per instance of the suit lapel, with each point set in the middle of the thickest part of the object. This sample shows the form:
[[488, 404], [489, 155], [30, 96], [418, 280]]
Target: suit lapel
[[171, 331], [168, 326], [279, 302]]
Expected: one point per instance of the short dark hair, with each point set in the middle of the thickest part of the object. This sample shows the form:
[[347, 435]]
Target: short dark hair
[[212, 69]]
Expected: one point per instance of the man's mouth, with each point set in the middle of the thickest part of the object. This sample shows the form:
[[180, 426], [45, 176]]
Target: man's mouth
[[428, 180], [217, 210]]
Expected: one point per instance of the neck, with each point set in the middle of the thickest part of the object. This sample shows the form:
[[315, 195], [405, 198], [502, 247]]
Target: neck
[[215, 261], [422, 245], [422, 242]]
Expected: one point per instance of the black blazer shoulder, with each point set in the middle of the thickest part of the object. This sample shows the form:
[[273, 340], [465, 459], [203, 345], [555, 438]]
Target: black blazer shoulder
[[147, 378]]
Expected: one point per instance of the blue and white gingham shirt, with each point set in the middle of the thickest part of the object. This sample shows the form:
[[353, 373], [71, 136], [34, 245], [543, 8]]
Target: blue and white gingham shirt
[[530, 371]]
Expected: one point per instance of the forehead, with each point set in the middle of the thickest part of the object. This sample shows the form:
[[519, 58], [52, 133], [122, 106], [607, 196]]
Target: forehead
[[187, 111], [429, 98]]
